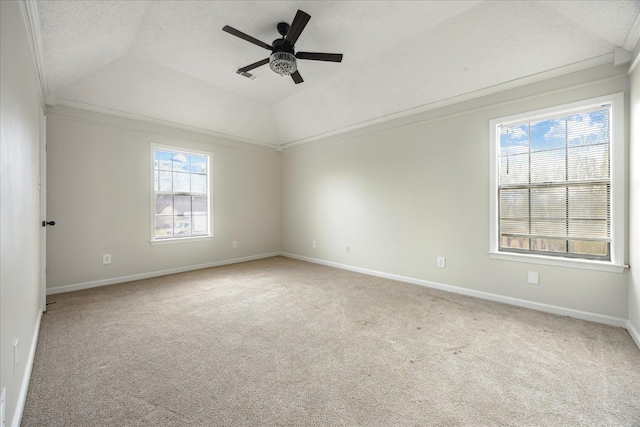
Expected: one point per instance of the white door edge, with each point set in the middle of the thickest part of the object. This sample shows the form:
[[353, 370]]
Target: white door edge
[[43, 211]]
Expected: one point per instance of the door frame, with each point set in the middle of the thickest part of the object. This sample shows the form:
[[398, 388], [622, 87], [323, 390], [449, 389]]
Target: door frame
[[42, 188]]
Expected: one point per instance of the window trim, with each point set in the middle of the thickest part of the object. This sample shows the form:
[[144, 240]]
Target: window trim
[[618, 187], [153, 146]]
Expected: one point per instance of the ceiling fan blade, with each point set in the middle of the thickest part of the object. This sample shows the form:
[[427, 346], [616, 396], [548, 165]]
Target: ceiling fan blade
[[297, 77], [314, 56], [298, 24], [254, 65], [246, 37]]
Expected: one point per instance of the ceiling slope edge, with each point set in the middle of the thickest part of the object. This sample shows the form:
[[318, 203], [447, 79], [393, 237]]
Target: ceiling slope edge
[[534, 78], [160, 122], [29, 9], [632, 44]]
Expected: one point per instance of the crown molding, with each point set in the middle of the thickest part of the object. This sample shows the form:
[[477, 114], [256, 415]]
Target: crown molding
[[534, 78], [29, 9], [634, 62], [464, 110], [160, 122], [621, 56], [633, 36]]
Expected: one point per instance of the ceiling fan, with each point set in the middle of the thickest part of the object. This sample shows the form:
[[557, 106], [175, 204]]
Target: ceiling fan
[[283, 58]]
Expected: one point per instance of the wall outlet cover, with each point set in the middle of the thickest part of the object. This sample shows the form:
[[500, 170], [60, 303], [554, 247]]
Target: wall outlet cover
[[442, 262], [533, 278], [234, 244], [106, 259]]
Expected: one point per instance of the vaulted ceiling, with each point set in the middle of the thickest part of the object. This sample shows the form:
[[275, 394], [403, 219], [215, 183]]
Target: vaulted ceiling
[[170, 60]]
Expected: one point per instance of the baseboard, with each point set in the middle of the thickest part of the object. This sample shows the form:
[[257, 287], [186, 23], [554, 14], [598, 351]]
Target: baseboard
[[123, 279], [578, 314], [634, 333], [24, 387], [548, 308]]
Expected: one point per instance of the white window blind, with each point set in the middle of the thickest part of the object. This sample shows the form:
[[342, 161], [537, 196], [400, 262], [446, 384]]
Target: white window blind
[[181, 194], [554, 185]]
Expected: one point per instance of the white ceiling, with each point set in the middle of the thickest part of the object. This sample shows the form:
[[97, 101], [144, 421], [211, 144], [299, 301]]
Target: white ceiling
[[171, 61]]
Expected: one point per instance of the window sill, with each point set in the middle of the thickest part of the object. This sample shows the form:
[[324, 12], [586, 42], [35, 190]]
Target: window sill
[[560, 262], [181, 240]]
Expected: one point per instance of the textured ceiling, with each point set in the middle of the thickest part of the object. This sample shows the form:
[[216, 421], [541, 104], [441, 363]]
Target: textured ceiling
[[170, 60]]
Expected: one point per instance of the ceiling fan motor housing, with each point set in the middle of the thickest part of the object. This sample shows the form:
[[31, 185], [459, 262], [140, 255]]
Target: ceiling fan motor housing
[[282, 45], [283, 28]]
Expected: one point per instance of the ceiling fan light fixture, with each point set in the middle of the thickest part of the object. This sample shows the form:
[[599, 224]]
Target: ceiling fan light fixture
[[283, 63]]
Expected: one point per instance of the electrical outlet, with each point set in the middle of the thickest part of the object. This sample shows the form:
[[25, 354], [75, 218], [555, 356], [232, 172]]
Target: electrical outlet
[[442, 262], [16, 355], [347, 249], [533, 278], [234, 245], [106, 259], [313, 244], [3, 399]]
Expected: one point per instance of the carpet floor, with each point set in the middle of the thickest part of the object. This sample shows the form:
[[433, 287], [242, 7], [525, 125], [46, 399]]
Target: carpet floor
[[284, 342]]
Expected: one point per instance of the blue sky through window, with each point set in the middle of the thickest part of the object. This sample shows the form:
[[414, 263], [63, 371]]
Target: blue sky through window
[[180, 162], [578, 129], [548, 134]]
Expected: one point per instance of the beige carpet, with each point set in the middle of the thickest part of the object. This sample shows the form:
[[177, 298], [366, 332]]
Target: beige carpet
[[284, 342]]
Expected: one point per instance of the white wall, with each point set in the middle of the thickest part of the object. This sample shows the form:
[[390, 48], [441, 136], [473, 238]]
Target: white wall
[[404, 192], [634, 205], [99, 195], [20, 111]]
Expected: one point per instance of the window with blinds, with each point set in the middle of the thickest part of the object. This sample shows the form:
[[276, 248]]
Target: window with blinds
[[181, 194], [554, 184]]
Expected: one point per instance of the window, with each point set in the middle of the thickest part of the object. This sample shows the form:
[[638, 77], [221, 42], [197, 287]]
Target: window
[[557, 183], [181, 194]]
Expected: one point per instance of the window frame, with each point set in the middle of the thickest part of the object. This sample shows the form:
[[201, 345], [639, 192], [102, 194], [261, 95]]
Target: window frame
[[170, 240], [617, 165]]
